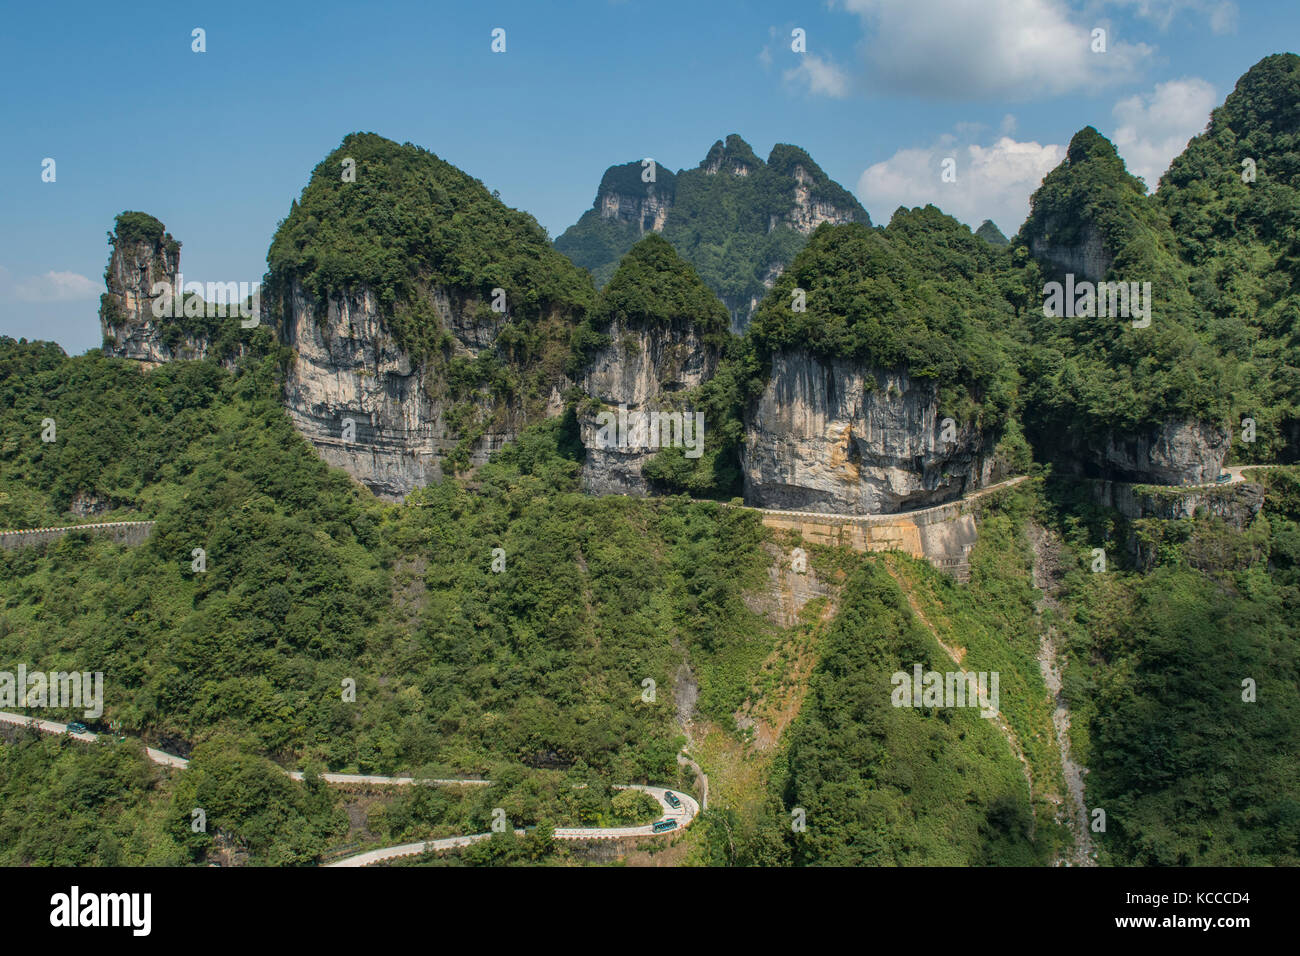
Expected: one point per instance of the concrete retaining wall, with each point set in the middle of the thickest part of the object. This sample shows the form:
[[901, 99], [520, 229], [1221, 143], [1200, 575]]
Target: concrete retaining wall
[[130, 533], [943, 535]]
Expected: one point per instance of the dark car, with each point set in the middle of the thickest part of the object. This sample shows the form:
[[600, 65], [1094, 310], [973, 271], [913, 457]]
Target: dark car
[[76, 727], [1223, 479], [672, 800]]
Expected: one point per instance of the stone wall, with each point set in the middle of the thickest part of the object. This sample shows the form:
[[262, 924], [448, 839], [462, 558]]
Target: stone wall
[[130, 533], [943, 535]]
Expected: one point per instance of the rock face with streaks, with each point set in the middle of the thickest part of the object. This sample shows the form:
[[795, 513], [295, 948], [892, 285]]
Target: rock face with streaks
[[428, 322], [661, 334], [371, 410], [639, 373], [144, 253], [625, 197], [176, 324], [1175, 453], [832, 435], [1084, 254]]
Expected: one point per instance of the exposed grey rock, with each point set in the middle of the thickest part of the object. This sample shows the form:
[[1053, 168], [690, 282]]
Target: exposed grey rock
[[126, 312], [126, 317], [1237, 503], [648, 212], [805, 213], [1086, 256], [86, 504], [641, 368], [1175, 453], [836, 437], [349, 366]]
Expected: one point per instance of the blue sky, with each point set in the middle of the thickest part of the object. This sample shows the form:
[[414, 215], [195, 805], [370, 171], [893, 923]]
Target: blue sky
[[216, 144]]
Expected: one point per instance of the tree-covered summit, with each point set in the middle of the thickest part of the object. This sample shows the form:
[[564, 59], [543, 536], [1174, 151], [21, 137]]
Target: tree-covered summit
[[733, 156], [654, 285], [133, 226], [1098, 375], [1233, 199], [1091, 193], [629, 179], [921, 295], [990, 233], [389, 216]]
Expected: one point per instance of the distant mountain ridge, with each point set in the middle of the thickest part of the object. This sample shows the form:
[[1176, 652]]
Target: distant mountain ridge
[[738, 220]]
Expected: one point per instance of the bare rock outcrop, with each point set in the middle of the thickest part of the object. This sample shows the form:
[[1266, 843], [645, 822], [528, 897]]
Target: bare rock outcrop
[[1174, 453], [146, 258], [368, 407], [634, 378], [834, 436]]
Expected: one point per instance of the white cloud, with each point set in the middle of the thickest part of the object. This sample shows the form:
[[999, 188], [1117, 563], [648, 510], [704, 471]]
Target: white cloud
[[1015, 49], [1152, 128], [1223, 18], [56, 287], [821, 76], [1221, 15], [993, 182]]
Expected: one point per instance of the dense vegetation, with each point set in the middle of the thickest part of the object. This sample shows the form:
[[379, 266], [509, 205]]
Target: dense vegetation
[[1241, 241], [923, 295], [410, 220], [1187, 770], [1097, 376], [131, 227], [943, 779]]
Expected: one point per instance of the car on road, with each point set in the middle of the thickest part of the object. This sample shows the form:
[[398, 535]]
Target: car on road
[[664, 825], [76, 727], [671, 799], [1223, 479]]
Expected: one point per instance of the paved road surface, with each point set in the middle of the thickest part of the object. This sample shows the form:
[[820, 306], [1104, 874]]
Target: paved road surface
[[683, 814]]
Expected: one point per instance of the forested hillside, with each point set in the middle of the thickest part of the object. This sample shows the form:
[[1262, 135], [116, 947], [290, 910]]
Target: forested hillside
[[1233, 201], [493, 621], [1100, 375]]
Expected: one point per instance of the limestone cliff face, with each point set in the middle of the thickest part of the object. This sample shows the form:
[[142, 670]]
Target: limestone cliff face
[[647, 212], [1174, 453], [642, 369], [1086, 256], [349, 366], [834, 436], [808, 212], [126, 316], [1237, 504]]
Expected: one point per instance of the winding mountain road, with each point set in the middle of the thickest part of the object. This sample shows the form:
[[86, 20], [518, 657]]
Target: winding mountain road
[[683, 814], [887, 516]]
